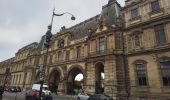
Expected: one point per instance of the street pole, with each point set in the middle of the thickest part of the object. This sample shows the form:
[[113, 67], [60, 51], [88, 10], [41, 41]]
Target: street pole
[[48, 37], [44, 69]]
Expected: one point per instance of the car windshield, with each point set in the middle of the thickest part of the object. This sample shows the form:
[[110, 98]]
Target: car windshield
[[45, 88]]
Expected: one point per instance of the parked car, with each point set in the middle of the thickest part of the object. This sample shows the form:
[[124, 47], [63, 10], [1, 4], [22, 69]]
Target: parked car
[[13, 89], [100, 97], [82, 96], [33, 94], [18, 89], [7, 89]]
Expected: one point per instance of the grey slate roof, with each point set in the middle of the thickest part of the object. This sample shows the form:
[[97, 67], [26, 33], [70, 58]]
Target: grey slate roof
[[108, 15], [82, 29], [30, 46], [110, 12]]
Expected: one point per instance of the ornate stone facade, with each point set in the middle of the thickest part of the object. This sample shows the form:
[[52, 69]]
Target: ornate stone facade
[[4, 66], [147, 42], [130, 45], [24, 67]]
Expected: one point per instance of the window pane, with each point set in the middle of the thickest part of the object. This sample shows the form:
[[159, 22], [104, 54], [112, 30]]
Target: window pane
[[165, 65], [78, 51], [101, 44], [141, 74], [142, 81], [139, 66], [160, 34], [165, 81], [155, 6], [143, 98]]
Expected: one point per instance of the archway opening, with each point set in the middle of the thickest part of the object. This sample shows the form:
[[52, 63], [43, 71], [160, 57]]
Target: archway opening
[[99, 78], [75, 81], [54, 80]]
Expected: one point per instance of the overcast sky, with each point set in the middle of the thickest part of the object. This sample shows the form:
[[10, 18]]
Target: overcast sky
[[25, 21]]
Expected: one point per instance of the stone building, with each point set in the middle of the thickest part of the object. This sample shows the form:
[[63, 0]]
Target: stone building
[[91, 48], [24, 67], [123, 52], [5, 67], [147, 43]]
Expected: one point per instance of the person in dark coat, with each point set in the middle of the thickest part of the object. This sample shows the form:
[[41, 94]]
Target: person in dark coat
[[1, 92]]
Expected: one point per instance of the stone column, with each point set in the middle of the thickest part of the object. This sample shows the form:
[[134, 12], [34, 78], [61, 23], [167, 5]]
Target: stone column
[[110, 78], [12, 78], [89, 86]]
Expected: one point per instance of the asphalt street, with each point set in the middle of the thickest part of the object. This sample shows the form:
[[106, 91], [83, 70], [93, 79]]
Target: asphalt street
[[21, 96]]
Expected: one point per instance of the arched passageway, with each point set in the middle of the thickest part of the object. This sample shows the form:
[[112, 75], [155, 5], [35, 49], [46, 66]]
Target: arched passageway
[[75, 81], [54, 80], [99, 78]]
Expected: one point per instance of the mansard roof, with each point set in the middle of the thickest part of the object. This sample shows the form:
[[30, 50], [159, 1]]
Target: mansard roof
[[30, 46], [110, 12], [7, 62], [81, 30], [108, 15]]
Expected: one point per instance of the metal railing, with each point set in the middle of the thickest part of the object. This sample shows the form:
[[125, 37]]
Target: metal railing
[[101, 52]]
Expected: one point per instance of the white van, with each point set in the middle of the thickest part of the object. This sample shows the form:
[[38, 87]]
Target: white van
[[45, 88], [34, 92]]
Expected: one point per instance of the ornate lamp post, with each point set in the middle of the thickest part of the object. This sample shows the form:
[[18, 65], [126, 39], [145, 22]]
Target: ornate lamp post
[[48, 36]]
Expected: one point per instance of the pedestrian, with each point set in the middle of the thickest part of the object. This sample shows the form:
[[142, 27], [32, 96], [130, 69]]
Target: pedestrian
[[1, 92]]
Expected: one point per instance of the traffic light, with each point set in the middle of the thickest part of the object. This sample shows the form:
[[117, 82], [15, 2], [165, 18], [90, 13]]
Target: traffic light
[[48, 37]]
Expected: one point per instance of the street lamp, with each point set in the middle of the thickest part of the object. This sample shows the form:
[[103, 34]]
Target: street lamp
[[48, 37]]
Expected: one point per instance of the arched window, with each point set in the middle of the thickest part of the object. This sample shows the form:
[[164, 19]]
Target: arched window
[[141, 74], [165, 71]]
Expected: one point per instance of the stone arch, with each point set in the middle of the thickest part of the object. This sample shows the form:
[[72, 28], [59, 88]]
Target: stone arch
[[76, 66], [60, 70], [72, 85], [164, 58], [140, 60], [99, 79], [54, 79]]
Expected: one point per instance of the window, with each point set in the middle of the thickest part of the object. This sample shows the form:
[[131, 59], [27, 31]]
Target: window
[[143, 98], [141, 74], [78, 51], [160, 34], [155, 6], [165, 70], [101, 44], [134, 13], [59, 56]]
